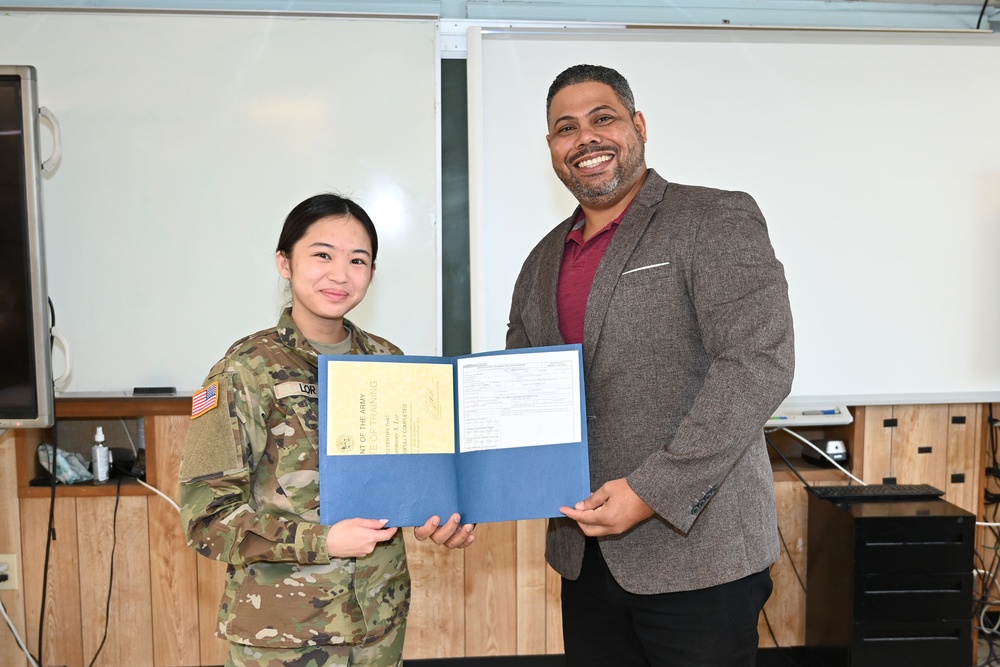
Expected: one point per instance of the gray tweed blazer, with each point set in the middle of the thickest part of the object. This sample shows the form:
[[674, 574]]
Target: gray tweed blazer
[[688, 349]]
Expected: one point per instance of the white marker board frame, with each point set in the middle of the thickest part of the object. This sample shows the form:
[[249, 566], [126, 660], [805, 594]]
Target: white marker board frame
[[874, 157], [186, 141]]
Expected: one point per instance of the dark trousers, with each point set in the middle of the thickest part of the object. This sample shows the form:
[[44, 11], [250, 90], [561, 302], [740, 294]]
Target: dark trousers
[[604, 625]]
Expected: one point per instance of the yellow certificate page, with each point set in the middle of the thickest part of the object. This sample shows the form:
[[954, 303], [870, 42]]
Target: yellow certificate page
[[376, 407]]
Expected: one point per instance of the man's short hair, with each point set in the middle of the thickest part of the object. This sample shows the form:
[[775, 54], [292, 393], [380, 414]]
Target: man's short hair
[[587, 74]]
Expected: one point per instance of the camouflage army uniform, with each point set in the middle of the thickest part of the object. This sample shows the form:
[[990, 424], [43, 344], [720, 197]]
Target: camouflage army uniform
[[250, 497], [387, 652]]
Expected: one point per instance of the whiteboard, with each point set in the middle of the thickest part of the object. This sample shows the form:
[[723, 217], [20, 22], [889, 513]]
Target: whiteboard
[[186, 141], [875, 158]]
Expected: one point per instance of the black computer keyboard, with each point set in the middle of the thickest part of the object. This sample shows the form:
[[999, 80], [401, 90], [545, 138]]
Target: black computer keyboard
[[877, 492]]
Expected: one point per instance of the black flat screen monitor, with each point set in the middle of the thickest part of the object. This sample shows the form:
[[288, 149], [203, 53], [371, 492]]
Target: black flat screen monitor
[[26, 389]]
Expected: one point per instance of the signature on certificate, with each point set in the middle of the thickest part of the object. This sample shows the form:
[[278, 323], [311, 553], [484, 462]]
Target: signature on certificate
[[430, 401]]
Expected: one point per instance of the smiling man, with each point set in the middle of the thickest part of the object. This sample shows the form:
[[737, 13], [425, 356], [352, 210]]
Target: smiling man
[[682, 309]]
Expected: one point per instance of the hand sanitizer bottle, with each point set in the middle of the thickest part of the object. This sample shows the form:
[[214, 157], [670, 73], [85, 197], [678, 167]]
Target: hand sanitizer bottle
[[99, 461]]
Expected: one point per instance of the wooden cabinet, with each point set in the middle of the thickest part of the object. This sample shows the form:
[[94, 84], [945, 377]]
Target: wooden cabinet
[[88, 413], [496, 598]]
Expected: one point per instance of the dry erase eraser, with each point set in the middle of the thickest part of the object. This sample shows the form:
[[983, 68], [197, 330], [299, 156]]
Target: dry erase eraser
[[143, 391]]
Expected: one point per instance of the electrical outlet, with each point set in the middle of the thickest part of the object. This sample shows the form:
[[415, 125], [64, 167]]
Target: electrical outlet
[[8, 567]]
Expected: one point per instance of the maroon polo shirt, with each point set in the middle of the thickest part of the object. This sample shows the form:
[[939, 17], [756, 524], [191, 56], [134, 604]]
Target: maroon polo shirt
[[576, 275]]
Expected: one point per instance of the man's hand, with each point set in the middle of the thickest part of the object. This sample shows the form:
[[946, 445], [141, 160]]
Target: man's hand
[[452, 534], [611, 510]]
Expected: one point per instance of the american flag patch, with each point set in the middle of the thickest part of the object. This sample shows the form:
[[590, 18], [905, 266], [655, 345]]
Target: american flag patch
[[205, 400]]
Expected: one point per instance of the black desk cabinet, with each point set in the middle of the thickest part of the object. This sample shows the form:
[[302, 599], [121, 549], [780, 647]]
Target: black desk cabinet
[[889, 583]]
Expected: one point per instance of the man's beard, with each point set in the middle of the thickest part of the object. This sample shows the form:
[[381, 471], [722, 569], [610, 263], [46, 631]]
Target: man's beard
[[604, 193]]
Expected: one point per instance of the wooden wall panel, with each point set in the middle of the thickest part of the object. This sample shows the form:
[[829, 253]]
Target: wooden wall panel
[[877, 443], [491, 591], [10, 543], [531, 591], [167, 435], [854, 434], [28, 440], [172, 565], [987, 540], [436, 624], [965, 452], [783, 620], [119, 539], [63, 628], [553, 611], [920, 445]]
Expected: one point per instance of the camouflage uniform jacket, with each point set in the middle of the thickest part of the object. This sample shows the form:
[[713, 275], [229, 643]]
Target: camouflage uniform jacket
[[250, 497]]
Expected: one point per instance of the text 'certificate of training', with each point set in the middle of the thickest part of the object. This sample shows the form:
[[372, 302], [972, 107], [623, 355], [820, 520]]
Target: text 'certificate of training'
[[390, 408]]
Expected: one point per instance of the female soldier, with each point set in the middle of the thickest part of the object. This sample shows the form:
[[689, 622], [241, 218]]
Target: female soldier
[[297, 592]]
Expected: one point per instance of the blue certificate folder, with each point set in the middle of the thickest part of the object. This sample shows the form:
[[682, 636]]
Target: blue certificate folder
[[514, 408]]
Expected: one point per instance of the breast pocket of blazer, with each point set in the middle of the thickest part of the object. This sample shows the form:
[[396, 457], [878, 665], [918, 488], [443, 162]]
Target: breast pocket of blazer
[[646, 274], [645, 289]]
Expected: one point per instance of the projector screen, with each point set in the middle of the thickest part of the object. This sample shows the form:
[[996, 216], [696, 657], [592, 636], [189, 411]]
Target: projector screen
[[875, 158]]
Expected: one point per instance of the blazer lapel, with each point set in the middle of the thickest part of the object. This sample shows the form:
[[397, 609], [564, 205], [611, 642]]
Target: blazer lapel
[[625, 240]]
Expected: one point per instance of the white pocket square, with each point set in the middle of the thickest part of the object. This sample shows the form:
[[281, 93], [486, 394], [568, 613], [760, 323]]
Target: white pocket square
[[643, 268]]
